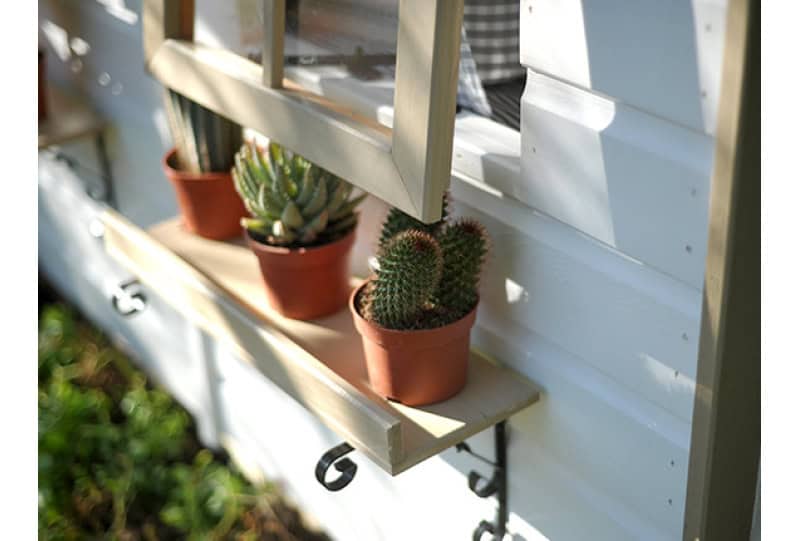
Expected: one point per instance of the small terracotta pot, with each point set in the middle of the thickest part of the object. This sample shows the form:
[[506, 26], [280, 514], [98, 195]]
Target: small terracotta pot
[[209, 204], [415, 367], [306, 283]]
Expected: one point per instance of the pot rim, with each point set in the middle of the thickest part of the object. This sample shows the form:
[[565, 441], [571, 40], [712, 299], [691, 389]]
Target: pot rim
[[180, 175], [464, 324], [258, 246]]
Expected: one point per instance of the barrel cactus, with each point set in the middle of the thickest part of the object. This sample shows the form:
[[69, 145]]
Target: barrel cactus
[[427, 275], [292, 201], [205, 142]]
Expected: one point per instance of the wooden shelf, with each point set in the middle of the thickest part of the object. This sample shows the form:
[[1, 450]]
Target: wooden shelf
[[218, 286], [68, 118]]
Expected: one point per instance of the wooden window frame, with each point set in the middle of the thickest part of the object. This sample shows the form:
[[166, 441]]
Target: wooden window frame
[[408, 166]]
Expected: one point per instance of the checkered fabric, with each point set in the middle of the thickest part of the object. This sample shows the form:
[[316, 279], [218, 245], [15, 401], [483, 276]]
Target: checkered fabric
[[492, 29], [489, 50]]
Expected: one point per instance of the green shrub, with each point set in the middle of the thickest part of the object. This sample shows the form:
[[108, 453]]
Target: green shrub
[[118, 458]]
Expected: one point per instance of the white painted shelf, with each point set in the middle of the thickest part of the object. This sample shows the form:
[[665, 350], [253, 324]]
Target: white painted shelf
[[217, 285]]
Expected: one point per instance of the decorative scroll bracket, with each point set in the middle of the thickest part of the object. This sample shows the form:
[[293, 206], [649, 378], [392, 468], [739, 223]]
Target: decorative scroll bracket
[[497, 484], [128, 299], [345, 466]]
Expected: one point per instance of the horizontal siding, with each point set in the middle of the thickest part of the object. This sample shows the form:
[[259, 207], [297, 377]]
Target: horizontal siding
[[631, 180], [661, 57], [641, 331]]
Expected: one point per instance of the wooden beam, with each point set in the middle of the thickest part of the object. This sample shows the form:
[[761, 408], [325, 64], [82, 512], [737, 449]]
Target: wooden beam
[[272, 57], [726, 427], [163, 20], [428, 52]]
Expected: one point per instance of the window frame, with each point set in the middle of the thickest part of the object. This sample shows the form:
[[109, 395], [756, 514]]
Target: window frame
[[407, 165]]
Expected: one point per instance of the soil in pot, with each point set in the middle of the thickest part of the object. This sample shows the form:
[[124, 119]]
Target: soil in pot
[[305, 283], [208, 202], [417, 367]]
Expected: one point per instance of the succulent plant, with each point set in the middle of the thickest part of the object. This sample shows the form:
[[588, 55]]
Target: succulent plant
[[292, 201], [426, 276], [205, 141]]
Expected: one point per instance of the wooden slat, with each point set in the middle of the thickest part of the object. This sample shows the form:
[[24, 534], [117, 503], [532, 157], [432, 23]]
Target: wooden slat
[[428, 42], [163, 20], [175, 261], [272, 57], [726, 427]]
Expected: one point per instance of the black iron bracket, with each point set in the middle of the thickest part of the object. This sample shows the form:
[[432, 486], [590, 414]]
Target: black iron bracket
[[496, 485], [345, 466]]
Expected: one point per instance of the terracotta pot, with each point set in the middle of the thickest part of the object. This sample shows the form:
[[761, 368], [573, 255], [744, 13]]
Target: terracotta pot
[[416, 367], [306, 283], [208, 202]]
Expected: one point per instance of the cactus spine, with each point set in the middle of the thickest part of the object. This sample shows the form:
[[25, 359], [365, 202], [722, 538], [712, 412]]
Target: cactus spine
[[205, 141], [292, 201], [428, 274]]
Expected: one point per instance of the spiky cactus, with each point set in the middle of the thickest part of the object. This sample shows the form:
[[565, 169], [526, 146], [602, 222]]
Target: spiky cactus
[[397, 221], [424, 281], [205, 141], [411, 267], [464, 246], [292, 201]]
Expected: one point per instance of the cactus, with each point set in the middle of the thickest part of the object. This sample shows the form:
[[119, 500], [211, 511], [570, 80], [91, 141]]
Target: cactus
[[398, 221], [292, 202], [427, 274], [205, 141], [411, 267], [464, 247]]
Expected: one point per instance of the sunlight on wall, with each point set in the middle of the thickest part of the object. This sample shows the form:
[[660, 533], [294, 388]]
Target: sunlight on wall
[[514, 292], [58, 39], [118, 9]]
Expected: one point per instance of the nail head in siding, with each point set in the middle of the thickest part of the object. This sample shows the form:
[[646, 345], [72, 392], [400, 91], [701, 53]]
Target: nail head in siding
[[688, 249]]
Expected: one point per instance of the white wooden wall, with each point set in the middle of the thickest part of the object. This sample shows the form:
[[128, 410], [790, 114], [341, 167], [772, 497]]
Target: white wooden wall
[[593, 289]]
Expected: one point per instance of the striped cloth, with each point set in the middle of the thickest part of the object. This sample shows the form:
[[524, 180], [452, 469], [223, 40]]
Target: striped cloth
[[492, 29], [489, 51]]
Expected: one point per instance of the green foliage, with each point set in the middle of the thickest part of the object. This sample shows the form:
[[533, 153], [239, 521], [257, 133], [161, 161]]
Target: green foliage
[[117, 458], [293, 202], [397, 300], [423, 293], [205, 141]]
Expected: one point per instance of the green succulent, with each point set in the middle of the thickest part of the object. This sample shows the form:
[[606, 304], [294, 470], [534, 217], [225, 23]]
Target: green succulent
[[427, 275], [205, 141], [292, 201]]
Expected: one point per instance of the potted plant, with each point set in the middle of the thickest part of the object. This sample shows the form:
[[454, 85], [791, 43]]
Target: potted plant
[[416, 312], [302, 228], [199, 168]]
